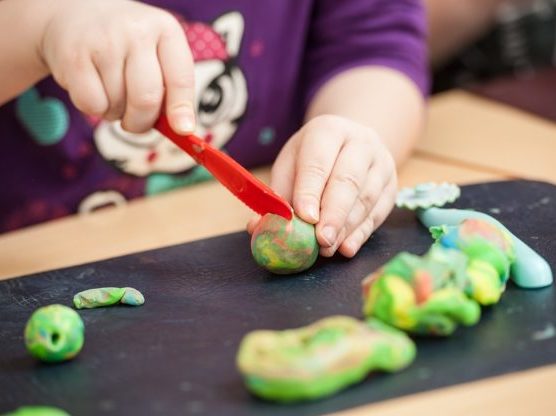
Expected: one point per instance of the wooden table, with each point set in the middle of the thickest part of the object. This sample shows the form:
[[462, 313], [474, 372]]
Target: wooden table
[[468, 140]]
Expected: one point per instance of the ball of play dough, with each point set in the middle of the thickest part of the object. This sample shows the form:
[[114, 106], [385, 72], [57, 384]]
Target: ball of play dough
[[283, 246], [54, 333]]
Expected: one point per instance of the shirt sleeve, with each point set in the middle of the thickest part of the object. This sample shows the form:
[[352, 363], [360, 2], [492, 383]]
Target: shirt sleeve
[[352, 33]]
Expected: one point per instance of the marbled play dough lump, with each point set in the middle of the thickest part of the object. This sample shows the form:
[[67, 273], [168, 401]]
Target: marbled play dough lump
[[37, 411], [528, 270], [421, 294], [106, 296], [283, 246], [431, 294], [320, 359], [54, 333], [486, 246]]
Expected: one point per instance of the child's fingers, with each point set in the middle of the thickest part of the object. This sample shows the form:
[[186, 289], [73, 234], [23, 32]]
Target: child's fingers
[[110, 66], [144, 89], [343, 187], [377, 180], [282, 173], [329, 251], [85, 87], [178, 72], [351, 245], [252, 224], [385, 205], [318, 151]]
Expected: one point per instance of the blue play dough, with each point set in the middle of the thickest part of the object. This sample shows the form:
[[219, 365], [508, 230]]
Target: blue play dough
[[529, 271], [45, 119]]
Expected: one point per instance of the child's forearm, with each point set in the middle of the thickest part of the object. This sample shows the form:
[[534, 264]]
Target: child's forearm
[[21, 26], [377, 97]]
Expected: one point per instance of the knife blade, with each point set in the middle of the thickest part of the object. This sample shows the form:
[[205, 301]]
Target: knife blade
[[239, 181]]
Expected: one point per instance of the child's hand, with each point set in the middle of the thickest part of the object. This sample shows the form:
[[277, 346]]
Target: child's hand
[[338, 175], [121, 59]]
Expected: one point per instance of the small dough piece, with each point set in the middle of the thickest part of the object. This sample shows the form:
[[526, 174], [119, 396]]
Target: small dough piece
[[106, 296], [282, 246], [320, 359], [38, 411], [54, 333]]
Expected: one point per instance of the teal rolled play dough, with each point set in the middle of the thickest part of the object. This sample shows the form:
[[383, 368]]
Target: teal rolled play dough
[[530, 270]]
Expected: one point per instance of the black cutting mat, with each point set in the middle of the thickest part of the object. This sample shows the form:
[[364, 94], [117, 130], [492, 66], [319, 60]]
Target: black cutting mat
[[175, 355]]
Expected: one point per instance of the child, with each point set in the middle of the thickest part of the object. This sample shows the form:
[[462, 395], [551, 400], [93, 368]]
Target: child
[[245, 75]]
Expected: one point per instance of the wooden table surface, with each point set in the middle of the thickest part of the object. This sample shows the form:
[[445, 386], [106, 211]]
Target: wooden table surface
[[468, 139]]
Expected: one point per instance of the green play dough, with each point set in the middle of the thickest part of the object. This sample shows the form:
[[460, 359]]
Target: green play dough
[[37, 411], [282, 246], [529, 270], [320, 359], [54, 333], [466, 267], [422, 294], [106, 296]]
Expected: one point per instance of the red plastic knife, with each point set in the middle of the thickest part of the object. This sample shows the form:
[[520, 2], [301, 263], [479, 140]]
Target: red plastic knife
[[250, 190]]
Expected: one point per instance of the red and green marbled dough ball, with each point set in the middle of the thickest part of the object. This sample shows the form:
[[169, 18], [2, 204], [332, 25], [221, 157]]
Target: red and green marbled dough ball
[[54, 333], [283, 246]]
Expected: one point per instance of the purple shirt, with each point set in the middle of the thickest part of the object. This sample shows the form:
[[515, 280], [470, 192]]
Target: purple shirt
[[257, 66]]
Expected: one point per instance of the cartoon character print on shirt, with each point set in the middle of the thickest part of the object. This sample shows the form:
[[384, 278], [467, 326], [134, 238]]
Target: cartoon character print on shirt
[[221, 99]]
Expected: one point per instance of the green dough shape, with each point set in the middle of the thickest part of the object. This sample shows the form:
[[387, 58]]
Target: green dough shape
[[490, 253], [529, 270], [106, 296], [38, 411], [282, 246], [431, 294], [320, 359], [54, 333], [422, 295]]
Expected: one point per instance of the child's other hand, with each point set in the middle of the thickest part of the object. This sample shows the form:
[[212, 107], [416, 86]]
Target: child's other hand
[[338, 175], [120, 59]]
